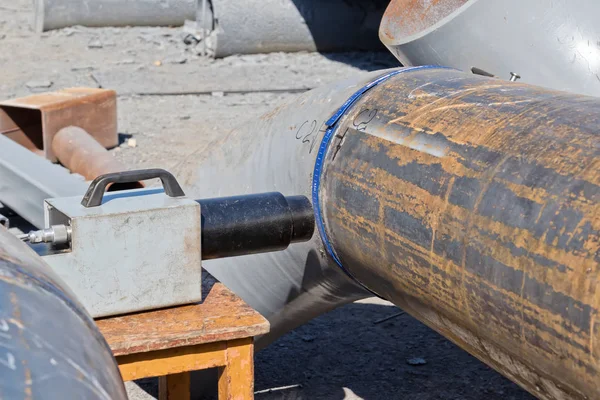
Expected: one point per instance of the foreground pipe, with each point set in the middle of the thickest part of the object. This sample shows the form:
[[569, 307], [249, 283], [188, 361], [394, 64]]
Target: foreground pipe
[[49, 346], [553, 43], [470, 202], [82, 154], [473, 204]]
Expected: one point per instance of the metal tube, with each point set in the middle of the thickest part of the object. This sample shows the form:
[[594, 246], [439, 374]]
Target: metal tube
[[555, 48], [264, 26], [56, 14], [81, 153], [250, 224], [470, 202], [50, 348], [273, 154], [229, 27], [474, 204]]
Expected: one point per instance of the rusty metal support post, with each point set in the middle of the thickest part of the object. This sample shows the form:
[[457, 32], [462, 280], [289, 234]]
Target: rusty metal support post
[[81, 153]]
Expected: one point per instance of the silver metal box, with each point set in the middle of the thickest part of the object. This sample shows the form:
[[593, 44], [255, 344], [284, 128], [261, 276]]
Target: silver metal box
[[139, 250]]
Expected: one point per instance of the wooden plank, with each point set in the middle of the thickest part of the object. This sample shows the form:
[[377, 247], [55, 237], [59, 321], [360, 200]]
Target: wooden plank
[[236, 378], [222, 316], [174, 387], [172, 361]]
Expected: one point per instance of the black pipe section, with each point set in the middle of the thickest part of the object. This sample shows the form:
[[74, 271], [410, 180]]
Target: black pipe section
[[256, 223], [50, 347]]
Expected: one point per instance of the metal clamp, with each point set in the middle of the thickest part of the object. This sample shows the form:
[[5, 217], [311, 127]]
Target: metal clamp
[[95, 193]]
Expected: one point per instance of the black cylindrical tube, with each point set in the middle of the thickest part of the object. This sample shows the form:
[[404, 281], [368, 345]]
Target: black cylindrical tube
[[257, 223]]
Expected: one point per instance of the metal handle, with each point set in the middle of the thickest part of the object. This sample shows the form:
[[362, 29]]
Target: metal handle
[[95, 193]]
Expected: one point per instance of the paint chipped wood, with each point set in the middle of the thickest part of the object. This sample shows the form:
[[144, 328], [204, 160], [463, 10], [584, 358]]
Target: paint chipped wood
[[222, 316], [169, 343]]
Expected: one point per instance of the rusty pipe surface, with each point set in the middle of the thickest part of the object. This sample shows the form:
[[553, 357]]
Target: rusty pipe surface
[[470, 202], [82, 154], [474, 204], [50, 348]]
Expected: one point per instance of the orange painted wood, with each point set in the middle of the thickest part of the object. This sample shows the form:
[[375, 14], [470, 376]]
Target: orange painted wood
[[172, 361], [168, 343], [236, 378], [222, 316], [174, 387]]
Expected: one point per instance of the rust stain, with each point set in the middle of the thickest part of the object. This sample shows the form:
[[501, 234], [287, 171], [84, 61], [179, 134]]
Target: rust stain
[[14, 300], [408, 17], [27, 381], [39, 117], [422, 205], [81, 153]]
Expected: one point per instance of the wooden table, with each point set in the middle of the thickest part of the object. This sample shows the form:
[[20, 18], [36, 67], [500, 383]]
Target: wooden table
[[169, 343]]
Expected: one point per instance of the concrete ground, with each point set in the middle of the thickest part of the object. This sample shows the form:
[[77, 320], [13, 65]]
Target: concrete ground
[[172, 102]]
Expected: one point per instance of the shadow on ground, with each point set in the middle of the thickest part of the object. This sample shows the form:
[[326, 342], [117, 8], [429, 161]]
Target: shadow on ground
[[350, 354], [367, 61], [343, 25], [346, 354]]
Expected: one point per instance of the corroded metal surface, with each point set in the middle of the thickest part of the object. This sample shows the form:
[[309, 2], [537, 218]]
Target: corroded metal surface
[[82, 154], [33, 121], [49, 346], [404, 18], [474, 204]]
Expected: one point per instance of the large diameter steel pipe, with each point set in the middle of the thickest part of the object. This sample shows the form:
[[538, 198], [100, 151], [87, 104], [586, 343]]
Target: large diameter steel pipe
[[470, 202], [50, 348], [265, 26], [55, 14], [474, 204], [556, 48]]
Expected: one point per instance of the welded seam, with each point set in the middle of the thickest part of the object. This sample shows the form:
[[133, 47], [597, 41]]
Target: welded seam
[[332, 124]]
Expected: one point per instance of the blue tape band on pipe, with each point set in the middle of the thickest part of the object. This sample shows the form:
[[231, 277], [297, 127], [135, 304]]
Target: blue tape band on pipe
[[329, 133]]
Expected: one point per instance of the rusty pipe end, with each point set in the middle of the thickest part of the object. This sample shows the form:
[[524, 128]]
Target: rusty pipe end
[[79, 152]]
